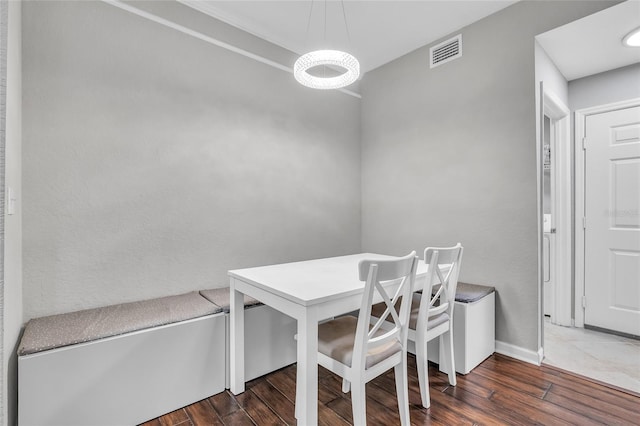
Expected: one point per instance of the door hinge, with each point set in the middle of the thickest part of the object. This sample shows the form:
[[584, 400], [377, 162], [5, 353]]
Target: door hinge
[[584, 222], [584, 301], [584, 143]]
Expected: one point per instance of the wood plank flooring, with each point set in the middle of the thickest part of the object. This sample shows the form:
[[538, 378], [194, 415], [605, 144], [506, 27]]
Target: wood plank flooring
[[501, 391]]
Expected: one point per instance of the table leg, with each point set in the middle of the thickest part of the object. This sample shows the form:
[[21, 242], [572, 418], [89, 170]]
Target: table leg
[[236, 340], [307, 372]]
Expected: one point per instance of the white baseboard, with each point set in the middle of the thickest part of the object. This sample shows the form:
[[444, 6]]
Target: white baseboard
[[517, 352]]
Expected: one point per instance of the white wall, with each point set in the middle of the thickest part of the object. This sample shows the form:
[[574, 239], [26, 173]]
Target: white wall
[[154, 162], [612, 86], [12, 298], [449, 154]]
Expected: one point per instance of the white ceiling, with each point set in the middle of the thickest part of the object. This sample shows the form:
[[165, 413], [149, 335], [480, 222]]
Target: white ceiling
[[593, 44], [380, 31]]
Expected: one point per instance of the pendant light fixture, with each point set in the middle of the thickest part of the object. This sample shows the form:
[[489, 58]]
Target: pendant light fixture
[[632, 39], [326, 57]]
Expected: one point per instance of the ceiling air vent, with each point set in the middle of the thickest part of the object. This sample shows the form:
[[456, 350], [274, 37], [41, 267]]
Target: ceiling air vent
[[446, 51]]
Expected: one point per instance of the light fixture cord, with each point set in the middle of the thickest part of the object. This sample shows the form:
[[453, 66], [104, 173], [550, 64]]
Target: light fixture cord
[[324, 38], [344, 16], [324, 35], [309, 23]]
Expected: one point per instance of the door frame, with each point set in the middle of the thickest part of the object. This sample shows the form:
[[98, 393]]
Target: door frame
[[557, 111], [580, 188]]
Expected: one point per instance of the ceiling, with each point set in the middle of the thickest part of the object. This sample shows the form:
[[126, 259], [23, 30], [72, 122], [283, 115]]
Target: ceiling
[[593, 44], [378, 31]]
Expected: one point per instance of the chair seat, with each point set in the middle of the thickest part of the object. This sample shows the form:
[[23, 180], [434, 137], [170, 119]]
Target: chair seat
[[378, 309], [346, 343], [336, 339]]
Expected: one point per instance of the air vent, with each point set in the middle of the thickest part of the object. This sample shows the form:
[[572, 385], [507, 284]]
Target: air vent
[[445, 51]]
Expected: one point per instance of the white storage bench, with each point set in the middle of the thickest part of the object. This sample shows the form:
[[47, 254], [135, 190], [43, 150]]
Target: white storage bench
[[474, 332], [269, 335], [122, 364]]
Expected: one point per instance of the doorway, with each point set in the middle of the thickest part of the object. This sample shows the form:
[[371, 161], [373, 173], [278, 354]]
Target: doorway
[[556, 209], [572, 64], [607, 268]]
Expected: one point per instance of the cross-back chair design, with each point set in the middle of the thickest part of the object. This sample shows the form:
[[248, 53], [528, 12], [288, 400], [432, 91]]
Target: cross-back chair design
[[358, 351], [431, 313], [435, 313]]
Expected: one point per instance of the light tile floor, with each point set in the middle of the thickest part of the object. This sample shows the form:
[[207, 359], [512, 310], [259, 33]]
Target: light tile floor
[[605, 357]]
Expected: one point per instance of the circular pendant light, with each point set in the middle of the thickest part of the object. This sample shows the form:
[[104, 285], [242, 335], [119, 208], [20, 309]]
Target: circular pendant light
[[347, 65], [632, 39], [332, 58]]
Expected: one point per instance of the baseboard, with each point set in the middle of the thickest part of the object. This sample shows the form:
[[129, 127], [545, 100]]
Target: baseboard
[[517, 352]]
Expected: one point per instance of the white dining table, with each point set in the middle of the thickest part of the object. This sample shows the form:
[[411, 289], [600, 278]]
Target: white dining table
[[309, 291]]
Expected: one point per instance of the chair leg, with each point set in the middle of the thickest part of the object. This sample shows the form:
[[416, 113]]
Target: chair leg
[[422, 364], [400, 371], [359, 402], [446, 341], [346, 385]]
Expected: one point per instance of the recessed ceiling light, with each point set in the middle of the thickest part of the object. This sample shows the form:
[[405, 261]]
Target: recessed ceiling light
[[632, 39]]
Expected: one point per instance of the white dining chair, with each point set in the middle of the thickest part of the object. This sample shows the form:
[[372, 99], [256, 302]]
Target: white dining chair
[[359, 351], [431, 313]]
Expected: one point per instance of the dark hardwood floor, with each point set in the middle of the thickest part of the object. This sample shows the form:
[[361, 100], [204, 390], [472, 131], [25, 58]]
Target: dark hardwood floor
[[501, 390]]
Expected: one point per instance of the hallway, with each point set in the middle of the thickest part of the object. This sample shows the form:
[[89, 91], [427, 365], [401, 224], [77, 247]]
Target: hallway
[[605, 357]]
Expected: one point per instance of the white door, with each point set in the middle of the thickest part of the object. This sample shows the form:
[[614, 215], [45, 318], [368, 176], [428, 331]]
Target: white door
[[612, 234]]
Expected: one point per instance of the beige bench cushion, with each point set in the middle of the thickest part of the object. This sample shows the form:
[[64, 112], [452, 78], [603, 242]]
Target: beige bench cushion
[[468, 293], [221, 297], [92, 324]]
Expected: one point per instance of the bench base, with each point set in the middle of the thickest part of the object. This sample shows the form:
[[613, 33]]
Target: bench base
[[269, 342], [125, 379], [474, 338]]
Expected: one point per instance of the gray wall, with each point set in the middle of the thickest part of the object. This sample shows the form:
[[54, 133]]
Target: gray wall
[[548, 72], [154, 162], [449, 154], [12, 297], [612, 86], [554, 82]]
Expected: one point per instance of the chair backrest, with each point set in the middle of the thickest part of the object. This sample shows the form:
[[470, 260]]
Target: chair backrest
[[376, 272], [444, 283]]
